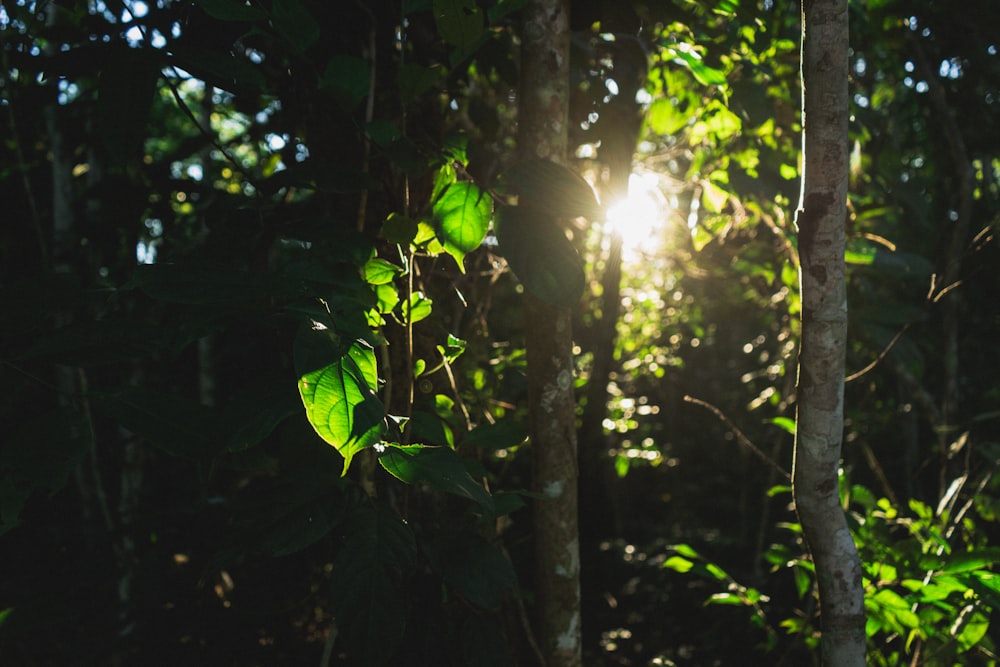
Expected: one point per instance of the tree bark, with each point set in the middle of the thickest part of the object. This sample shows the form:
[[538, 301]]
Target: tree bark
[[543, 116], [820, 403]]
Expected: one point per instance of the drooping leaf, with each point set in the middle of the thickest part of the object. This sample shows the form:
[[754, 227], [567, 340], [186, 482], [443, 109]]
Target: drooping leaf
[[341, 404], [501, 435], [440, 468], [484, 643], [462, 217], [553, 189], [125, 88], [295, 23], [285, 516], [474, 568], [540, 255], [349, 77], [231, 10], [379, 271], [416, 308], [414, 80], [218, 68], [178, 425], [41, 454], [370, 610], [460, 23]]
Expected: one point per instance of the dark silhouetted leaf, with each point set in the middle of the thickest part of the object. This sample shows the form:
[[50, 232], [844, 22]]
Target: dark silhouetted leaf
[[501, 435], [350, 79], [440, 468], [553, 189], [370, 610], [540, 255]]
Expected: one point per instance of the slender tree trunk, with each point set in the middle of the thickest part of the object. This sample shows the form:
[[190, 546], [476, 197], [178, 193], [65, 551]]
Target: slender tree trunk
[[543, 115], [820, 403]]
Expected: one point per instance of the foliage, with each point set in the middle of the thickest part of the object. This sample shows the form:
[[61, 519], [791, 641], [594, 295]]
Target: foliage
[[263, 361]]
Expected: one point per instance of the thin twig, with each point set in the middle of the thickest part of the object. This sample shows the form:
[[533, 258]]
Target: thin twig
[[740, 436]]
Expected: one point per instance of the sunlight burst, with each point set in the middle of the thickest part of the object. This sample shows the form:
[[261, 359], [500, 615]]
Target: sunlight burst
[[640, 216]]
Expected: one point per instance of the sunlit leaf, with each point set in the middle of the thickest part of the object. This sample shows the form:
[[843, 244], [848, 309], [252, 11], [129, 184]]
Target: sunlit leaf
[[417, 307], [399, 229], [975, 559], [379, 271], [665, 117], [462, 217], [540, 255], [341, 405]]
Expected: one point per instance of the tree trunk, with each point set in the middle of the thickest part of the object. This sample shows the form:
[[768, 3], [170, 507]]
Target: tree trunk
[[543, 115], [820, 403]]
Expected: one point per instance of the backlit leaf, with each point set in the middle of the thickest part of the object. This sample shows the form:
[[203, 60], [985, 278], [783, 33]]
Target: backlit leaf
[[462, 217], [341, 405], [440, 468]]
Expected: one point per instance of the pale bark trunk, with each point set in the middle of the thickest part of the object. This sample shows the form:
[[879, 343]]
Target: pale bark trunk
[[820, 396], [543, 115]]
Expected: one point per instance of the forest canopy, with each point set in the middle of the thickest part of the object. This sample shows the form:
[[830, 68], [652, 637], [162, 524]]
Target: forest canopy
[[264, 351]]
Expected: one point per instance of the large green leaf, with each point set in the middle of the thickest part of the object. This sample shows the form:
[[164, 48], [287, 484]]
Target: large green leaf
[[231, 10], [540, 255], [462, 218], [40, 454], [501, 435], [178, 425], [349, 77], [341, 404], [370, 611], [553, 189], [295, 23], [474, 568], [440, 468]]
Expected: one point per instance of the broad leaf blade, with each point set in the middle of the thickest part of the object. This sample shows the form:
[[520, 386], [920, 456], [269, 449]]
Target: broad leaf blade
[[440, 468], [540, 255], [462, 218], [555, 190], [341, 405]]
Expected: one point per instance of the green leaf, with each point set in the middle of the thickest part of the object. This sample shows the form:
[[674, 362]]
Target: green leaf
[[219, 68], [399, 229], [417, 307], [431, 429], [540, 255], [177, 425], [41, 454], [295, 23], [484, 643], [976, 559], [341, 405], [349, 77], [285, 516], [553, 189], [678, 564], [503, 434], [379, 271], [370, 610], [440, 468], [415, 80], [460, 23], [462, 218], [231, 10], [706, 76], [254, 413], [125, 91], [664, 117], [786, 424], [474, 568]]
